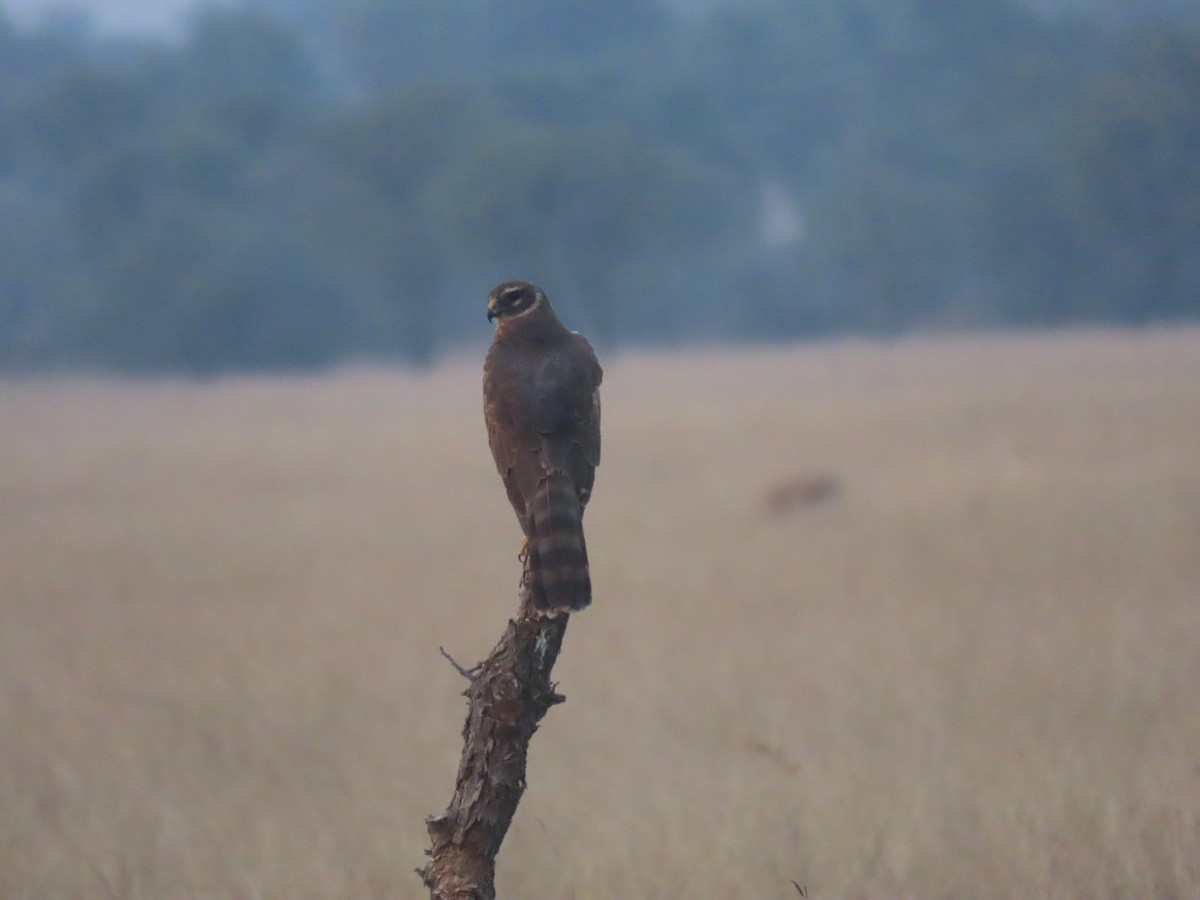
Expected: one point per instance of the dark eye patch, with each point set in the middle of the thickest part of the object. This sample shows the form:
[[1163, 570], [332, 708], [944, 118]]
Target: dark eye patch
[[516, 297]]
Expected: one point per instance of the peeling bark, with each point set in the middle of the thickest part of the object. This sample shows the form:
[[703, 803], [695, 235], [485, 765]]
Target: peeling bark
[[509, 693]]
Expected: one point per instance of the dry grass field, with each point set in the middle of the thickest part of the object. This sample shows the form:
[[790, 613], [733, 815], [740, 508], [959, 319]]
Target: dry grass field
[[911, 620]]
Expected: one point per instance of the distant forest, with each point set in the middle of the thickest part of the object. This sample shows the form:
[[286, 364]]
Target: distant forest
[[292, 183]]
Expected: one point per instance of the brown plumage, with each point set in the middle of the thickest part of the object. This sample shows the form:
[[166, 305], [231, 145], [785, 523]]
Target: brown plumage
[[541, 402]]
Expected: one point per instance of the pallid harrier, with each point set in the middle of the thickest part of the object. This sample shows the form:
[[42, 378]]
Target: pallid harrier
[[541, 401]]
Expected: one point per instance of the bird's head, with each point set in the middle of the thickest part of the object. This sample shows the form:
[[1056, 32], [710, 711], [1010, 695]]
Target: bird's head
[[514, 298]]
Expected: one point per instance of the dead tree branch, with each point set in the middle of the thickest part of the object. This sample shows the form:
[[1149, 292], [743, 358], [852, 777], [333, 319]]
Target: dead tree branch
[[510, 692]]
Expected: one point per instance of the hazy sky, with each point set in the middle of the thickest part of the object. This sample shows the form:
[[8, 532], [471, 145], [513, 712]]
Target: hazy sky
[[154, 16], [109, 15], [159, 16]]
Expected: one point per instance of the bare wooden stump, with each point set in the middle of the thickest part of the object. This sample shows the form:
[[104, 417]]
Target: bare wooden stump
[[510, 692]]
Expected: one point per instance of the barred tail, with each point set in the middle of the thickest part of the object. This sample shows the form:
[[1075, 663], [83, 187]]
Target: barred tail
[[558, 562]]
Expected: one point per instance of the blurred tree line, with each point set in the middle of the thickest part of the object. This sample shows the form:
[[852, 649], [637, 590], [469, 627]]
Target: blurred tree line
[[293, 182]]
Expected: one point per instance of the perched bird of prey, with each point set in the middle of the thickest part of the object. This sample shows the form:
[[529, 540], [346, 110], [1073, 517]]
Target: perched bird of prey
[[541, 402]]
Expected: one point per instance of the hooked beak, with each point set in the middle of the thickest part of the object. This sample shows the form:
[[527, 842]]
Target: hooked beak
[[491, 312]]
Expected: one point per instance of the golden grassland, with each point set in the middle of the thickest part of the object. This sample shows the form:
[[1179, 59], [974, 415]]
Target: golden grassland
[[969, 669]]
